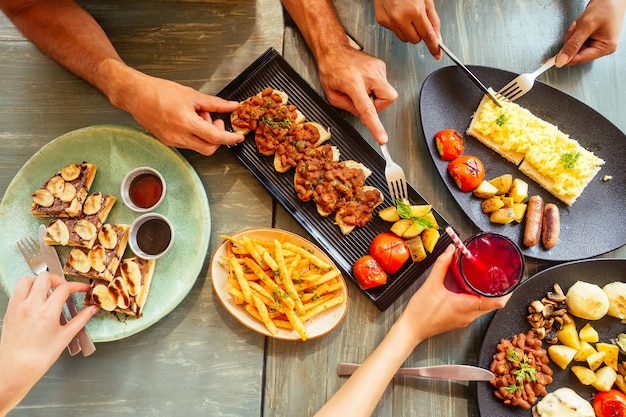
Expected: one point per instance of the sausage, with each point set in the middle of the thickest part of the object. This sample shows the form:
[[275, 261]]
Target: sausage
[[534, 223], [551, 226]]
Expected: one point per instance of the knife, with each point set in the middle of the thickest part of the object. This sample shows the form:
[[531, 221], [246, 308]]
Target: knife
[[458, 62], [450, 372], [54, 266]]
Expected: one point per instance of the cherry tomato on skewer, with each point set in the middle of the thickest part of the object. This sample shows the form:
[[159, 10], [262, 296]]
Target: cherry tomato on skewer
[[449, 144], [369, 273], [467, 171], [390, 250]]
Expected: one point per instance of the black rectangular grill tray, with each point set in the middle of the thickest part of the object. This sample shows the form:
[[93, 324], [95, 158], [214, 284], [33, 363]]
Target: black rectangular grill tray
[[272, 70]]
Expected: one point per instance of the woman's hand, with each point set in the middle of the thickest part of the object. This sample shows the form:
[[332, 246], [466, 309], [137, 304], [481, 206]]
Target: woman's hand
[[434, 309], [32, 336]]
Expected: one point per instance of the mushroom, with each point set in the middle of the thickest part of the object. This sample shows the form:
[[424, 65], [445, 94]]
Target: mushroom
[[556, 295], [536, 307]]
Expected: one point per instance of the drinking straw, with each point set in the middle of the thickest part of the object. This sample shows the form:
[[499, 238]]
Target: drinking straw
[[457, 241]]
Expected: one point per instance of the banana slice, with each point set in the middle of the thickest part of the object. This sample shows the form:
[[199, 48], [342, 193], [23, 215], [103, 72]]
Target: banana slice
[[56, 186], [107, 236], [97, 258], [75, 207], [118, 290], [132, 275], [93, 203], [43, 198], [79, 261], [68, 194], [103, 298], [70, 172], [59, 232], [85, 229]]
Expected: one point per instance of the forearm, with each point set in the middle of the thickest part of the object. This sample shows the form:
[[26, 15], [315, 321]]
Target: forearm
[[363, 390], [70, 35], [13, 388], [318, 22]]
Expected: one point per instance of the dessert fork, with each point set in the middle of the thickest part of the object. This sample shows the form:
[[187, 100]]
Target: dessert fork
[[31, 253], [524, 82], [396, 180]]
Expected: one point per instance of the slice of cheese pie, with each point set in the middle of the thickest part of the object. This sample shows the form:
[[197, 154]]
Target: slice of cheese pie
[[548, 156]]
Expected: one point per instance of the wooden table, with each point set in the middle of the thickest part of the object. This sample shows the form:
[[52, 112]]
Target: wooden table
[[199, 360]]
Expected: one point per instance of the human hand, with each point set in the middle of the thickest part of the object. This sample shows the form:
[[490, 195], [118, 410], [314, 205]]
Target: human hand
[[32, 337], [434, 309], [177, 115], [357, 82], [594, 34], [411, 21]]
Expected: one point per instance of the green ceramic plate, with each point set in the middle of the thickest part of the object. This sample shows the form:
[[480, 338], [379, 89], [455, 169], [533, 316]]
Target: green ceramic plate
[[115, 150]]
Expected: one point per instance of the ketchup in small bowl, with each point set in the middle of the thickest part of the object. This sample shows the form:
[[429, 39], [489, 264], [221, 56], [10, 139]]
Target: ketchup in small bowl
[[143, 189], [151, 236]]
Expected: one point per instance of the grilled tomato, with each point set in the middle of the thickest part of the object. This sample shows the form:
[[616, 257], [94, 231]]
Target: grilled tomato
[[390, 251], [610, 403], [368, 272], [449, 144], [467, 171]]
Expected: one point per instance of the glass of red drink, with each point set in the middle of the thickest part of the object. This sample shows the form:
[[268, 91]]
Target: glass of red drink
[[493, 269]]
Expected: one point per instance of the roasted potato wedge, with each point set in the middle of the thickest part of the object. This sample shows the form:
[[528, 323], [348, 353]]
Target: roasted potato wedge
[[502, 216], [416, 247], [485, 190], [519, 190], [431, 218], [420, 210], [520, 211], [585, 375], [492, 204], [389, 214], [430, 238], [400, 227], [502, 183], [415, 229]]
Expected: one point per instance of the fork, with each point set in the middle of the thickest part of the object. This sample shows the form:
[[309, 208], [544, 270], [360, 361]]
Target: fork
[[524, 82], [396, 180], [31, 253]]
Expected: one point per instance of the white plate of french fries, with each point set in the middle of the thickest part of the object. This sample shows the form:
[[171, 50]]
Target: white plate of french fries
[[279, 284]]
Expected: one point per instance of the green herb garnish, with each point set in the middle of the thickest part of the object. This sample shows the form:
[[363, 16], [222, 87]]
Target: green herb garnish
[[569, 159], [525, 371], [501, 120], [405, 212]]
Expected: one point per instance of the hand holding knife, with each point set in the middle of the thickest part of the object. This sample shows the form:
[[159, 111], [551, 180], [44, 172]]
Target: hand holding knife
[[458, 62], [53, 262]]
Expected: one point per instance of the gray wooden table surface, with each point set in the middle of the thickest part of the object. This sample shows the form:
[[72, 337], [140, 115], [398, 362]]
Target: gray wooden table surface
[[198, 360]]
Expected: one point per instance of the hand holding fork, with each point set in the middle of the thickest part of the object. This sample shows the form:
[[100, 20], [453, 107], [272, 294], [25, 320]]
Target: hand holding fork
[[32, 255]]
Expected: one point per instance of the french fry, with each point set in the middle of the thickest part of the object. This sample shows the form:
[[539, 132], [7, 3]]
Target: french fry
[[267, 257], [280, 284], [323, 307], [279, 292], [241, 279], [265, 316], [297, 324], [286, 278], [308, 255], [251, 248]]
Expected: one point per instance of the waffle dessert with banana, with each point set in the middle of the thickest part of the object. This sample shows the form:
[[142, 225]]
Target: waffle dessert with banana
[[127, 292]]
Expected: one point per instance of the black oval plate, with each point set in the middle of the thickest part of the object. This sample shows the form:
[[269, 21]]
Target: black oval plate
[[511, 320], [595, 223]]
